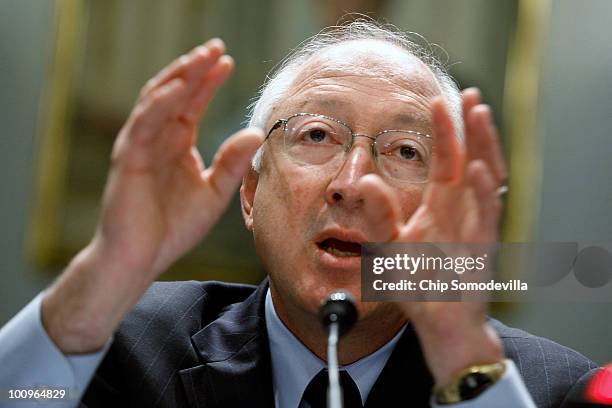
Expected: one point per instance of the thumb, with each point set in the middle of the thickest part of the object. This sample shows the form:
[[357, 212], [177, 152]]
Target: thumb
[[232, 161], [381, 208]]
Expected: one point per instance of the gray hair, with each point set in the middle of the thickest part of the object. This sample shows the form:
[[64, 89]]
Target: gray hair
[[278, 82]]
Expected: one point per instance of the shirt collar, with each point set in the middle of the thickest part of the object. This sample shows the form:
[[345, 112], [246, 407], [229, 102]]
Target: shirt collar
[[294, 366]]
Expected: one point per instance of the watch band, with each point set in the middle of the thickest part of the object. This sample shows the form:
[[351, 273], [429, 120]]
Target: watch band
[[469, 383]]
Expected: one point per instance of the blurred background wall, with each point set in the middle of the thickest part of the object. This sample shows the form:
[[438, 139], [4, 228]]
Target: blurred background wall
[[575, 201], [24, 53], [54, 161]]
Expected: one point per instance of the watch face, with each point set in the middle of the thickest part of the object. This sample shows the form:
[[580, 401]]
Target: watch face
[[473, 385]]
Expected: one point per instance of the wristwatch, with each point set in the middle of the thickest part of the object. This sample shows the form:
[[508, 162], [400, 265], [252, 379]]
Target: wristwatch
[[469, 383]]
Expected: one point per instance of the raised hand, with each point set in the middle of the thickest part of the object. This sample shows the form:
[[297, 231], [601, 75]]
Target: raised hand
[[460, 204], [159, 201]]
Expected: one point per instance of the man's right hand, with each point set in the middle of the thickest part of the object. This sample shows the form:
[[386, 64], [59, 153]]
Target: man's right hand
[[159, 201]]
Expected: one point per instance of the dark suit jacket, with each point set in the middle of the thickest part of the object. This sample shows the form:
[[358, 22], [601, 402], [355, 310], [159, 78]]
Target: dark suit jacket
[[204, 344]]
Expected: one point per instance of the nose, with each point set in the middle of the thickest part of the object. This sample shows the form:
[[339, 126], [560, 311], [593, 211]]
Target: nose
[[343, 190]]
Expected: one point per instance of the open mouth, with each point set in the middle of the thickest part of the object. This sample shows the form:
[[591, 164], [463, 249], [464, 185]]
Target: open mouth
[[340, 248]]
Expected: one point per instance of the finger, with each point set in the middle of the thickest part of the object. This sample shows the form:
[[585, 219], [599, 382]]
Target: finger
[[189, 65], [470, 97], [482, 141], [232, 161], [207, 87], [482, 181], [447, 163], [162, 104], [381, 208], [189, 116], [183, 128]]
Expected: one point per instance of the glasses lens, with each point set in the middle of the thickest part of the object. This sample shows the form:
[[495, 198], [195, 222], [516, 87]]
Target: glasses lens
[[404, 156], [313, 139]]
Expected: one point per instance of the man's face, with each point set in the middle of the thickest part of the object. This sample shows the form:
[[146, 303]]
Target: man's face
[[302, 213]]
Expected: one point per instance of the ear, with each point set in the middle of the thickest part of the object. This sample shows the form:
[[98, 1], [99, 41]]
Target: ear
[[247, 197]]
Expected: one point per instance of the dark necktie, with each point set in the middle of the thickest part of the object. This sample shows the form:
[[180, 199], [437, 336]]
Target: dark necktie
[[315, 395]]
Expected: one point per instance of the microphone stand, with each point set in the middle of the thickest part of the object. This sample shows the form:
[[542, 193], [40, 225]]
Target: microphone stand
[[334, 392], [338, 314]]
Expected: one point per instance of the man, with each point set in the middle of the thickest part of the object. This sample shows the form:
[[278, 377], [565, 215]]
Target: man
[[367, 139]]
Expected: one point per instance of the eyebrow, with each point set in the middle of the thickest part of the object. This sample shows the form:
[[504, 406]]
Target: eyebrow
[[325, 105]]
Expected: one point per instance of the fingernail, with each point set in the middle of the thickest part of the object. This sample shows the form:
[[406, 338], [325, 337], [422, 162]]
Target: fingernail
[[184, 59], [488, 113], [472, 91], [215, 43], [227, 59], [200, 50], [483, 110]]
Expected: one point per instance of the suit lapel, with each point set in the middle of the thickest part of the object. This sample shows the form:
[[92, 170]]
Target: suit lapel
[[235, 355], [236, 369], [404, 378]]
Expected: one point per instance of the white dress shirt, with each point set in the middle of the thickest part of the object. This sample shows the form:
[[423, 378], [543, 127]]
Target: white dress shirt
[[294, 366]]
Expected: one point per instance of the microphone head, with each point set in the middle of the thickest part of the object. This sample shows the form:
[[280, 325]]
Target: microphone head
[[338, 307]]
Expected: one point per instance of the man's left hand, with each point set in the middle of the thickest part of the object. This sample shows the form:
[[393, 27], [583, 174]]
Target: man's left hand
[[461, 204]]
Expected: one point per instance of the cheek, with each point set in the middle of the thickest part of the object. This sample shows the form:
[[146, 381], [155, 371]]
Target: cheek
[[287, 202]]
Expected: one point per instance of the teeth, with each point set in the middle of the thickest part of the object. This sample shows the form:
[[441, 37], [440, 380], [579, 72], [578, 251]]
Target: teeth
[[338, 252]]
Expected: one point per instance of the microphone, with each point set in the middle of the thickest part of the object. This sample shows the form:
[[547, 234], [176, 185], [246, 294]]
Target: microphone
[[338, 314]]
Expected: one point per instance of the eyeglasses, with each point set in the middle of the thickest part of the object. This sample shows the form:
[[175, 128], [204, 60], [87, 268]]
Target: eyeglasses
[[319, 140]]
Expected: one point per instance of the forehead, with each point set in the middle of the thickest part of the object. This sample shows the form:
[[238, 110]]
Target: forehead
[[363, 76]]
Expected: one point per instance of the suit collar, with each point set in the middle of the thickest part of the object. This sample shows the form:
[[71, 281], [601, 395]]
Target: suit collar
[[235, 357]]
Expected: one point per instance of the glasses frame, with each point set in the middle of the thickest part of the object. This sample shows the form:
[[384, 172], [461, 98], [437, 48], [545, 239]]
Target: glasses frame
[[282, 123]]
